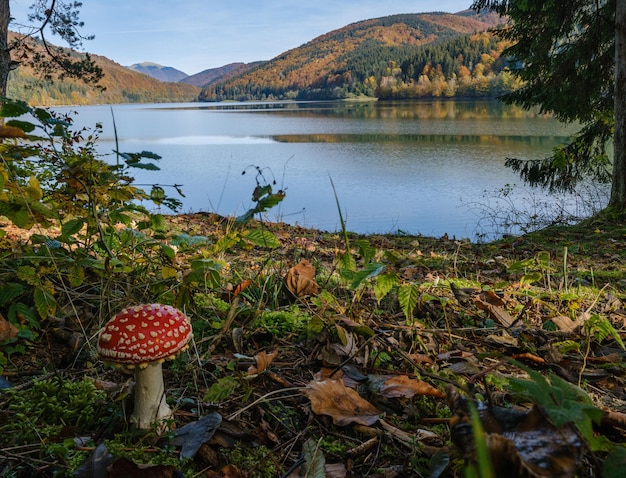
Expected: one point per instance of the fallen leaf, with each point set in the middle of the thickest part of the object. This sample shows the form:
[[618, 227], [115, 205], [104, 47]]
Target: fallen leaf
[[243, 285], [344, 405], [496, 313], [263, 360], [420, 358], [191, 436], [335, 470], [520, 443], [96, 466], [565, 324], [314, 465], [490, 297], [403, 386], [231, 471], [300, 279], [7, 329]]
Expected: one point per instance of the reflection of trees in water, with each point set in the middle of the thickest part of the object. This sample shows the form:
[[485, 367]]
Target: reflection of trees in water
[[427, 109], [487, 139]]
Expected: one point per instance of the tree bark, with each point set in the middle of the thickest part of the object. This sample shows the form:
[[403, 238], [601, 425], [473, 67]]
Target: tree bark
[[618, 187], [5, 54]]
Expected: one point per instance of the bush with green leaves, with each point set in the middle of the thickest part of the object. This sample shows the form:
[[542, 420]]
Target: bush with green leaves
[[90, 237], [84, 218]]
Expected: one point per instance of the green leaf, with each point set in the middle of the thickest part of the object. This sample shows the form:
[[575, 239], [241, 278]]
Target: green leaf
[[368, 271], [314, 465], [407, 296], [12, 108], [262, 238], [157, 194], [45, 303], [384, 284], [347, 263], [614, 464], [25, 126], [28, 274], [20, 312], [530, 278], [168, 251], [157, 222], [72, 227], [220, 390], [76, 275], [365, 249], [147, 166], [10, 291], [314, 328], [185, 239]]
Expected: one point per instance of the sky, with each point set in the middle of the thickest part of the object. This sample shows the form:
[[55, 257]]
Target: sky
[[195, 35]]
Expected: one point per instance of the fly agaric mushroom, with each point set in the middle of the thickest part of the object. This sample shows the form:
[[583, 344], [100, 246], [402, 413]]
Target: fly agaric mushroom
[[143, 337]]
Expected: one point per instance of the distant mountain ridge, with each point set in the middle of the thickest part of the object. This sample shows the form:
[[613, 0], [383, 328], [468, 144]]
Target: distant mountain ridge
[[225, 72], [159, 72], [121, 85]]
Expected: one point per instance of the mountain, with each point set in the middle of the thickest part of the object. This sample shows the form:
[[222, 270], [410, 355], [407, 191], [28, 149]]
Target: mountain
[[121, 85], [223, 73], [160, 72], [355, 60]]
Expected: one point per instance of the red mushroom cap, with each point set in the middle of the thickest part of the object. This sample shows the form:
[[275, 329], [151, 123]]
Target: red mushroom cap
[[144, 333]]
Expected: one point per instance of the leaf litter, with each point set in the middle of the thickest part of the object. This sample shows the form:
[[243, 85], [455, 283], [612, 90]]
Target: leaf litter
[[441, 349]]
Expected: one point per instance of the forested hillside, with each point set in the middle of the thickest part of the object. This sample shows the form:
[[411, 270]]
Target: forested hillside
[[400, 56], [121, 84]]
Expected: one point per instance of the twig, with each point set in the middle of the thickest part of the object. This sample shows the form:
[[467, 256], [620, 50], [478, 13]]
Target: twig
[[264, 397]]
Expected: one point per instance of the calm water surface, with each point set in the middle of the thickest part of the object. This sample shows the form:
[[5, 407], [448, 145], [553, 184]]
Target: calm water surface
[[413, 167]]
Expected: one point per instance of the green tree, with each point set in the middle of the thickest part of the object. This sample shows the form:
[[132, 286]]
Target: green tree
[[47, 17], [566, 53]]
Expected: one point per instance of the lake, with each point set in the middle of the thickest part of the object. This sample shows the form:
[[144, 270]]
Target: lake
[[429, 168]]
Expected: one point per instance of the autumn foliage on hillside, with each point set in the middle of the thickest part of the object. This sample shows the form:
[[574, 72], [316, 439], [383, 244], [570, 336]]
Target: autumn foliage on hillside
[[119, 85], [399, 57]]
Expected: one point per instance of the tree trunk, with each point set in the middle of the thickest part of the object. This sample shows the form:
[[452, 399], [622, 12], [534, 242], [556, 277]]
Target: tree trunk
[[5, 54], [618, 188]]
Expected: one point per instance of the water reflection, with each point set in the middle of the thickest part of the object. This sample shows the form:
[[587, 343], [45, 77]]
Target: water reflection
[[442, 109], [410, 166], [494, 140]]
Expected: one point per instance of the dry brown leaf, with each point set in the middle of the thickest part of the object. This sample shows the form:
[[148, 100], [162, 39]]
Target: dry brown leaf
[[344, 405], [231, 471], [496, 313], [492, 298], [565, 324], [420, 359], [403, 386], [335, 470], [520, 443], [7, 329], [263, 360], [300, 279]]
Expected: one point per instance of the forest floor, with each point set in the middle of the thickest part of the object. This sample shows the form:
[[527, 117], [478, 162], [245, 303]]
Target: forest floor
[[408, 356]]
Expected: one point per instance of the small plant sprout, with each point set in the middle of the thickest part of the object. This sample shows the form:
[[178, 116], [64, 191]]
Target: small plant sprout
[[145, 336]]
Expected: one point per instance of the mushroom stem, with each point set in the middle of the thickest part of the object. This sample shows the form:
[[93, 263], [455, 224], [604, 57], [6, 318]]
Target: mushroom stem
[[150, 405]]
